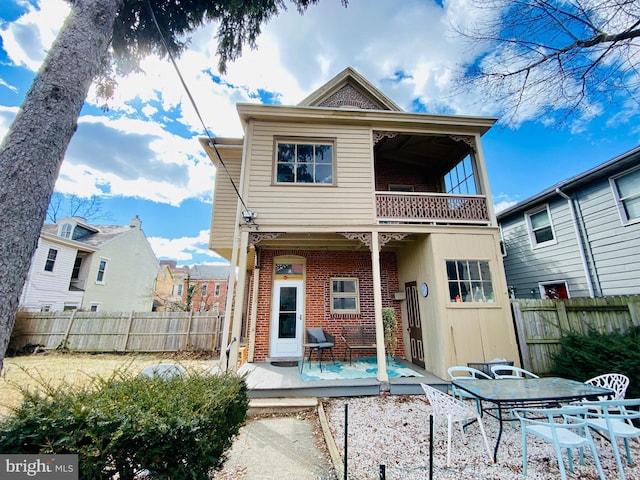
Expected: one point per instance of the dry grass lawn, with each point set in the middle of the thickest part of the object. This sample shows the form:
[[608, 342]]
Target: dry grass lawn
[[77, 369]]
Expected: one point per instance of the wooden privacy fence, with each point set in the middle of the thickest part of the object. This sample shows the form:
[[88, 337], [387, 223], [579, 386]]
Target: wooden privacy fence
[[118, 331], [540, 323]]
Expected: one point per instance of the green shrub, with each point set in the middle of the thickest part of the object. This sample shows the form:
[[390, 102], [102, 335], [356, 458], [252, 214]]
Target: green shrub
[[585, 356], [178, 428]]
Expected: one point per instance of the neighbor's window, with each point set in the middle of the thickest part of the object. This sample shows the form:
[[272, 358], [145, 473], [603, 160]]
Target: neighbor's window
[[540, 227], [179, 289], [101, 270], [65, 231], [94, 307], [460, 180], [304, 162], [555, 290], [344, 295], [204, 289], [217, 290], [626, 190], [216, 308], [470, 281], [51, 260]]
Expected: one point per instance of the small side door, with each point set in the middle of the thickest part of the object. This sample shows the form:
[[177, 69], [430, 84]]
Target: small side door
[[415, 324]]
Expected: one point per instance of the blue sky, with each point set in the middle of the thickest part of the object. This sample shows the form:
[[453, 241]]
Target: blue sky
[[142, 156]]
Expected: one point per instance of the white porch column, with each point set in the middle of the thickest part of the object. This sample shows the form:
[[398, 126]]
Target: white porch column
[[236, 325], [377, 306], [231, 291]]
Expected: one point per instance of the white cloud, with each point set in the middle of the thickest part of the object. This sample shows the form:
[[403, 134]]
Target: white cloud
[[185, 249], [27, 40]]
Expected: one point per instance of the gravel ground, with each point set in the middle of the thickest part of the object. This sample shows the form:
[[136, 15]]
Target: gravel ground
[[394, 431]]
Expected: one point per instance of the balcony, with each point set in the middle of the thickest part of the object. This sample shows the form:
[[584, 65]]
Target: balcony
[[431, 208]]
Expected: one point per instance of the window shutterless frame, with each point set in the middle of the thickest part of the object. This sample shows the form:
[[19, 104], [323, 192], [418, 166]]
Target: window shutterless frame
[[304, 161], [540, 227], [626, 192]]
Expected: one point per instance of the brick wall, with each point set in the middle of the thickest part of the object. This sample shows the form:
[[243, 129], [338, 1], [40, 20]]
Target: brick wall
[[321, 266]]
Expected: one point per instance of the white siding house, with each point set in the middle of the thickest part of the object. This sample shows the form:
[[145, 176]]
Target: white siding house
[[91, 267]]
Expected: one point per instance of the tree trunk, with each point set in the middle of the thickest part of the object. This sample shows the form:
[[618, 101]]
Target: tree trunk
[[34, 147]]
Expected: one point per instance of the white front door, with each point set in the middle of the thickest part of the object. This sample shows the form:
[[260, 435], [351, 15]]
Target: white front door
[[286, 319]]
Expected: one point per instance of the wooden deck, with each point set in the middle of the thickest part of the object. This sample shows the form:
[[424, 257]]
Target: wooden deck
[[265, 380]]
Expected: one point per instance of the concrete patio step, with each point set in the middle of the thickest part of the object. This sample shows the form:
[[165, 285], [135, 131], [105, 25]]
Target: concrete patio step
[[260, 406]]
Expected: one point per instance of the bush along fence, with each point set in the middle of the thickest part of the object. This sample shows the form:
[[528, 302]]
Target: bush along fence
[[117, 331], [540, 324]]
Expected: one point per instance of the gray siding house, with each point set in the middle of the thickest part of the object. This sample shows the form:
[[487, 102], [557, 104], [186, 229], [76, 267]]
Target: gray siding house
[[579, 238]]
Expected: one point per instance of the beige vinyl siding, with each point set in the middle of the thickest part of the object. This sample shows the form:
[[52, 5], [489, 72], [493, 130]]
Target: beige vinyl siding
[[313, 204], [464, 332], [225, 201]]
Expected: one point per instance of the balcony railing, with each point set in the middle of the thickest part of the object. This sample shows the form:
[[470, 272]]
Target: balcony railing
[[436, 208]]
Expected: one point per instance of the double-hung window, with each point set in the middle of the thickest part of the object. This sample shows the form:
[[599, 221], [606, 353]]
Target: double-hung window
[[204, 290], [540, 227], [344, 295], [51, 260], [101, 270], [308, 162], [626, 190]]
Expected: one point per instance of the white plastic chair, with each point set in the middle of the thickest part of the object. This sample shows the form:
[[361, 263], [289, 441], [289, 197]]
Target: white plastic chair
[[615, 381], [564, 427], [508, 371], [468, 373], [614, 419], [446, 406]]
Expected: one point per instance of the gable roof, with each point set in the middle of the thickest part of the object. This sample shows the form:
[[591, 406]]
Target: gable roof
[[101, 233], [349, 89], [620, 163], [209, 272]]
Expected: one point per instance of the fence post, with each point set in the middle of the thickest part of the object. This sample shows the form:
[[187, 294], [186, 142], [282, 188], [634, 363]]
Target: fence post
[[634, 312], [128, 332], [521, 335], [188, 336], [66, 334], [563, 319]]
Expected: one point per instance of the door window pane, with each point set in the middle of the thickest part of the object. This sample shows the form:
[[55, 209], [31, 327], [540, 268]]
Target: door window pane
[[287, 312]]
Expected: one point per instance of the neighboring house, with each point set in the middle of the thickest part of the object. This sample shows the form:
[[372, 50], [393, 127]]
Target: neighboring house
[[91, 267], [346, 205], [169, 295], [579, 238], [209, 284]]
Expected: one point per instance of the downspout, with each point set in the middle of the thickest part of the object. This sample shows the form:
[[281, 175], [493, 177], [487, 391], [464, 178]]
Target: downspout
[[576, 227]]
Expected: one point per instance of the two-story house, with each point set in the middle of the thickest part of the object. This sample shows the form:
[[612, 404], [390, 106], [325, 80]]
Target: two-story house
[[91, 267], [169, 294], [344, 204], [579, 238], [209, 284]]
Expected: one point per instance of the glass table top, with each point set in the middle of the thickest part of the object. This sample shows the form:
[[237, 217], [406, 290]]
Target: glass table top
[[530, 389]]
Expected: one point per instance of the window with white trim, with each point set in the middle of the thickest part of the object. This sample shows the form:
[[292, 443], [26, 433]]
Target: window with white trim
[[310, 162], [204, 289], [216, 290], [50, 263], [540, 227], [626, 190], [460, 180], [65, 230], [470, 281], [101, 270], [345, 295], [94, 307], [554, 290]]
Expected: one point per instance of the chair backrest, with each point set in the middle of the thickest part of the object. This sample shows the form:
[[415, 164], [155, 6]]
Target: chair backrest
[[615, 381], [573, 416], [613, 409], [466, 372], [508, 371], [445, 405], [316, 335]]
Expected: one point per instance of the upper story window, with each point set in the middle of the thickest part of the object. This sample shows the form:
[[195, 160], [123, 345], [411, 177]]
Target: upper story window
[[51, 260], [65, 230], [460, 179], [101, 270], [216, 291], [204, 289], [305, 162], [344, 295], [626, 190], [540, 227], [469, 281], [179, 289]]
